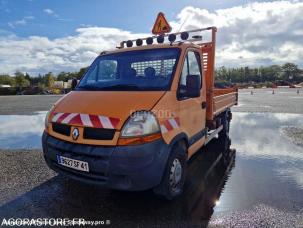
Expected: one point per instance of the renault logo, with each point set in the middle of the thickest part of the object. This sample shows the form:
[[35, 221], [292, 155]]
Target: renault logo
[[75, 134]]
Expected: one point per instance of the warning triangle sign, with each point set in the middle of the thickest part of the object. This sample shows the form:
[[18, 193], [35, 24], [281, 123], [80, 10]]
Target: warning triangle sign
[[161, 25]]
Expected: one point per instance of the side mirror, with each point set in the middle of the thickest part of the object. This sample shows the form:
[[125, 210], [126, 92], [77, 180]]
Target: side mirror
[[74, 83], [193, 84]]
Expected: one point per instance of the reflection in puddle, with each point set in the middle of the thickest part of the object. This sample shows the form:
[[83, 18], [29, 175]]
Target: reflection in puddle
[[21, 131], [269, 167], [259, 135]]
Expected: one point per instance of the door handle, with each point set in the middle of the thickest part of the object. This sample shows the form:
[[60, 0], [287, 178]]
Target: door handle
[[203, 105]]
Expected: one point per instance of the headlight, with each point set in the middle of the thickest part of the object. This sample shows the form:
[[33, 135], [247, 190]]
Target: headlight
[[46, 123], [46, 119], [140, 124]]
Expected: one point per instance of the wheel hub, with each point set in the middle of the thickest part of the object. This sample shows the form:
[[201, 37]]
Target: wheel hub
[[175, 174]]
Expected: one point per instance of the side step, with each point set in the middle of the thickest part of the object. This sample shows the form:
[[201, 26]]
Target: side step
[[211, 134]]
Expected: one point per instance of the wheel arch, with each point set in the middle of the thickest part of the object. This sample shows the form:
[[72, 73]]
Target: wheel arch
[[180, 137]]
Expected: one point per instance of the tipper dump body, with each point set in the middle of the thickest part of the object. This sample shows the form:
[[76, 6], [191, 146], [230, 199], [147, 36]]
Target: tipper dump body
[[218, 100]]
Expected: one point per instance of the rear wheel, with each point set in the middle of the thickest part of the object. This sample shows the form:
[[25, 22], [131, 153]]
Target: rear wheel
[[225, 121], [173, 179]]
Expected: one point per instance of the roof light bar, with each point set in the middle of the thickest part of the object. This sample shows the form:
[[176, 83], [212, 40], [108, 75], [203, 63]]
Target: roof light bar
[[197, 37], [160, 39], [139, 42], [172, 37], [184, 35], [149, 40], [129, 43]]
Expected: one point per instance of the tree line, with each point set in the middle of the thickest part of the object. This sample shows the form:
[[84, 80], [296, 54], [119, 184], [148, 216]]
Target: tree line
[[47, 80], [288, 72]]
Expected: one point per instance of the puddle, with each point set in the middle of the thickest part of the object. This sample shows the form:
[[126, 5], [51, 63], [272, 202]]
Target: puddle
[[259, 135], [268, 167], [21, 131]]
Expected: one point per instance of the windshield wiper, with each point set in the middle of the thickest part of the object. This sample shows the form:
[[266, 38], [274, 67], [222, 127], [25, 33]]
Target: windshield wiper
[[122, 86]]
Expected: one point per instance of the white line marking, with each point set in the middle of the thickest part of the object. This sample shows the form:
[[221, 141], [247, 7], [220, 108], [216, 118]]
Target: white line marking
[[173, 123], [57, 116], [163, 129], [69, 118], [86, 120], [105, 121]]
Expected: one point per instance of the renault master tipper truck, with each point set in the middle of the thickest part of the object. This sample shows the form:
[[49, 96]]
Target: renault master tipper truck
[[139, 113]]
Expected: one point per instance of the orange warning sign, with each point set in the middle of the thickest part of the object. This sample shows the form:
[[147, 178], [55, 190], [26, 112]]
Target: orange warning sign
[[161, 25]]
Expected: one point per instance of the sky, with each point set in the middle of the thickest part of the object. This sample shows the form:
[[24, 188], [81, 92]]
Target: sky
[[38, 36]]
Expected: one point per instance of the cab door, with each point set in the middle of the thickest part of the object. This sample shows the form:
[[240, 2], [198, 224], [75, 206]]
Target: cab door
[[192, 109]]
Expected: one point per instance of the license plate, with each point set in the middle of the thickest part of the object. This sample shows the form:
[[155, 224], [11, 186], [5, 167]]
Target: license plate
[[72, 163]]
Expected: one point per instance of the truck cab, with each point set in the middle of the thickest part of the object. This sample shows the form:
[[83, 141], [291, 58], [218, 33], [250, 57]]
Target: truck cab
[[139, 114]]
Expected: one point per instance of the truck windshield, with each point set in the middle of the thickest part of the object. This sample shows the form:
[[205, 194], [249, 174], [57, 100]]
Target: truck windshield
[[132, 71]]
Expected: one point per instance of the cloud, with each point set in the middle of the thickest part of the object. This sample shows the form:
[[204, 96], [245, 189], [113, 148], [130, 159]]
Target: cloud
[[29, 17], [37, 54], [48, 11], [23, 21], [253, 34], [51, 12]]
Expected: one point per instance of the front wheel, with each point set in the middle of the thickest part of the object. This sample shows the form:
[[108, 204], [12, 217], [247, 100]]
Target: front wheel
[[173, 179]]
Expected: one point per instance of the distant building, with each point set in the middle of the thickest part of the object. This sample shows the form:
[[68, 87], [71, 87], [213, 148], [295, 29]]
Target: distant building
[[5, 86], [62, 84], [58, 84], [67, 85]]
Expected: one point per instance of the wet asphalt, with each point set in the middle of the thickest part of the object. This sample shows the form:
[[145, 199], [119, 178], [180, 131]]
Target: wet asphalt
[[257, 181], [26, 104]]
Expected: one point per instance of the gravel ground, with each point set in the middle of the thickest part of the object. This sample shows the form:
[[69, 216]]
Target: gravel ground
[[259, 216], [20, 172], [295, 134]]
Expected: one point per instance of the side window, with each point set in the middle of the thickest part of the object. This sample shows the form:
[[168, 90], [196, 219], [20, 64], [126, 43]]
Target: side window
[[185, 72], [193, 61], [191, 66]]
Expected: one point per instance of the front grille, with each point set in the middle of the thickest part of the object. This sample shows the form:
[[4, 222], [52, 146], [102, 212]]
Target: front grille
[[98, 133], [61, 129]]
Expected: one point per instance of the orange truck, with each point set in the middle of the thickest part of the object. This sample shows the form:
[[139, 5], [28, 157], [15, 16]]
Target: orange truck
[[139, 113]]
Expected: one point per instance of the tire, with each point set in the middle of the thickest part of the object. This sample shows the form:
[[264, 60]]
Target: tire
[[224, 145], [225, 120], [173, 179]]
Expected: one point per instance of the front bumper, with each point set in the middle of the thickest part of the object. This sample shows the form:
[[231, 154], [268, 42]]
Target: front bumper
[[132, 168]]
